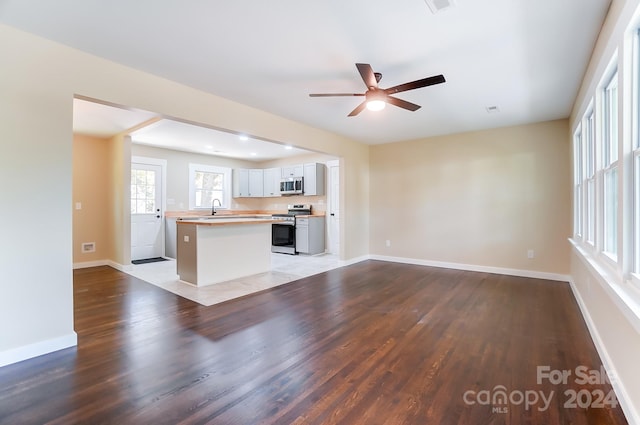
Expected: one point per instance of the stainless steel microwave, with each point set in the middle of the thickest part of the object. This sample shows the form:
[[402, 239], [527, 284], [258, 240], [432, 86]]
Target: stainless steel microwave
[[291, 186]]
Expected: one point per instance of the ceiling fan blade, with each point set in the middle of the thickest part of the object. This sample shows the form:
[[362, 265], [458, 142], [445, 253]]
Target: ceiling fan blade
[[429, 81], [335, 94], [402, 103], [358, 109], [366, 72]]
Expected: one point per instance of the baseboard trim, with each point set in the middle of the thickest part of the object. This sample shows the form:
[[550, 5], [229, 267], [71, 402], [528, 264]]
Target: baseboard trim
[[98, 263], [355, 260], [118, 266], [630, 411], [87, 264], [474, 268], [26, 352]]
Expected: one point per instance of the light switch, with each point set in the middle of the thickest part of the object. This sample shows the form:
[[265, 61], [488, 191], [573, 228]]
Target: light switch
[[186, 238], [78, 205]]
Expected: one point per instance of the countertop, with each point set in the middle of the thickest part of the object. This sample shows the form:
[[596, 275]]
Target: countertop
[[226, 221]]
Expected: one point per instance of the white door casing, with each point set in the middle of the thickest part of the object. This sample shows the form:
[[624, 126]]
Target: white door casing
[[333, 213], [147, 210]]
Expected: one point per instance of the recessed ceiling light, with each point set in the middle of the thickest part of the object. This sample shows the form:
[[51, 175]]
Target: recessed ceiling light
[[492, 109], [243, 137], [253, 154], [209, 147], [288, 147]]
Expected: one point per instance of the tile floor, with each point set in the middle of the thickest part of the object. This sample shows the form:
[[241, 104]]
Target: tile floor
[[284, 268]]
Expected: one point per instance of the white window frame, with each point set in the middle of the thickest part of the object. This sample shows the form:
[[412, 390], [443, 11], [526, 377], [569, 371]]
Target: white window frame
[[226, 197], [621, 278], [635, 250], [589, 177], [608, 171], [633, 163], [578, 172]]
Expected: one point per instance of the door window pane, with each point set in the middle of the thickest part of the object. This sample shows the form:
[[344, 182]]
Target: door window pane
[[143, 192]]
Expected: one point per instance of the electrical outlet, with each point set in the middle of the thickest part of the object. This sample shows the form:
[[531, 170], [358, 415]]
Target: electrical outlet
[[186, 238], [530, 254], [388, 242], [78, 205]]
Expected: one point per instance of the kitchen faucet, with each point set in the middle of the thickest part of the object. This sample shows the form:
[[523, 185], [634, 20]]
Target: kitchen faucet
[[213, 205]]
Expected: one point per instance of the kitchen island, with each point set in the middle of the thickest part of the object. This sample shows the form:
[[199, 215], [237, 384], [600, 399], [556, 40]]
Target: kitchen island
[[217, 249]]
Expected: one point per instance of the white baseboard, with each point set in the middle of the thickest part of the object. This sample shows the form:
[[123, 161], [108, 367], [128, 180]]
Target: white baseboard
[[630, 411], [98, 263], [474, 268], [355, 260], [25, 352], [121, 267], [87, 264]]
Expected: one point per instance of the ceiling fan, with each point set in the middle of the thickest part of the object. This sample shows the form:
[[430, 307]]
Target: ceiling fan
[[376, 98]]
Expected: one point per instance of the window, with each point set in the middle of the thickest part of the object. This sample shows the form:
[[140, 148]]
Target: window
[[206, 183], [577, 183], [635, 266], [635, 184], [610, 167], [590, 177], [143, 191]]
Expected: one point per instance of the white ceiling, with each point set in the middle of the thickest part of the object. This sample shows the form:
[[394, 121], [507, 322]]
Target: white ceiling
[[103, 120], [525, 57]]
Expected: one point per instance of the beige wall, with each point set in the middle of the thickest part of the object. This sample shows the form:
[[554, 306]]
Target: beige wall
[[39, 80], [91, 188], [120, 155], [481, 198], [36, 306]]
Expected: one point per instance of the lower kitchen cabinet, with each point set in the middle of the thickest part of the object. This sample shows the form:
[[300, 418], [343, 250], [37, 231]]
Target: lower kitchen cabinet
[[310, 235]]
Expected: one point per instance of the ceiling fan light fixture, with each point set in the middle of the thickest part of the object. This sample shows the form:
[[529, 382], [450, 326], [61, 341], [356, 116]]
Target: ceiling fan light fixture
[[376, 105], [376, 100]]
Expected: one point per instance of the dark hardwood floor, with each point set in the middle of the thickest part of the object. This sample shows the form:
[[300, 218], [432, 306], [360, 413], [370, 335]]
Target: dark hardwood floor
[[372, 343]]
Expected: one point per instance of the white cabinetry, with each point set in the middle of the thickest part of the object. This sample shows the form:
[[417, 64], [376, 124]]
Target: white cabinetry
[[313, 183], [271, 185], [259, 183], [310, 235], [248, 183], [256, 184], [292, 171]]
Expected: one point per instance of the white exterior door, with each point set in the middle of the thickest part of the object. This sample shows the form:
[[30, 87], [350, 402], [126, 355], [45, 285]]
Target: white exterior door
[[146, 211], [333, 213]]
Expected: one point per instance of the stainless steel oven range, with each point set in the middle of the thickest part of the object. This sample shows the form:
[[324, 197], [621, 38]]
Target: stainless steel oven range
[[283, 233]]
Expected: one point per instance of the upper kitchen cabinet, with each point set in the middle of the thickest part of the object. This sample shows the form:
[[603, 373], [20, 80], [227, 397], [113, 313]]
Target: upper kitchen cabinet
[[313, 182], [292, 171], [272, 178], [248, 183]]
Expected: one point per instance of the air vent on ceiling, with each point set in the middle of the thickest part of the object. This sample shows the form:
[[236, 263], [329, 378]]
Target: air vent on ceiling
[[440, 5]]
